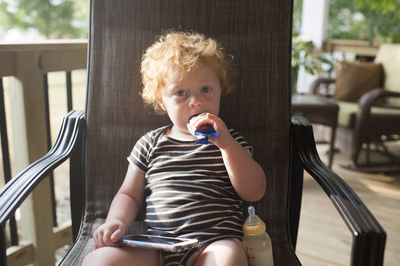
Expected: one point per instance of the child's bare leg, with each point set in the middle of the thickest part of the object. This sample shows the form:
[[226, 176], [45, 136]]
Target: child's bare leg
[[122, 256], [223, 252]]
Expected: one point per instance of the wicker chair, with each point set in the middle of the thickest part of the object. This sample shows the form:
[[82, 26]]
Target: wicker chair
[[371, 127], [97, 142]]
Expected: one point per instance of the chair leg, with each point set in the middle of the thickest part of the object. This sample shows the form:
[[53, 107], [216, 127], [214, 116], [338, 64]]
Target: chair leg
[[3, 248], [368, 153], [332, 147]]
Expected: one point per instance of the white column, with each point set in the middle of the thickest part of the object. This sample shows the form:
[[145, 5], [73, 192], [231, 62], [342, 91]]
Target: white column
[[313, 27]]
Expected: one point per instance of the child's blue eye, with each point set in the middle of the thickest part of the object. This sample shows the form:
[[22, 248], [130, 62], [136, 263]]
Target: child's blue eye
[[180, 93], [206, 89]]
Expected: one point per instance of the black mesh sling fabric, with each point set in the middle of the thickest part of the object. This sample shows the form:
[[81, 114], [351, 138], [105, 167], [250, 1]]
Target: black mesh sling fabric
[[257, 33]]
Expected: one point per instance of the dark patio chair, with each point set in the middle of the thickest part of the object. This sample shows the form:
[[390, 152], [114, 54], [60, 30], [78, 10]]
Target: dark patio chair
[[258, 34], [369, 130]]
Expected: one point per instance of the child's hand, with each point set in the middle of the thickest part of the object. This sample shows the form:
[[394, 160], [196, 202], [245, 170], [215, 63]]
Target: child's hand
[[223, 138], [108, 233]]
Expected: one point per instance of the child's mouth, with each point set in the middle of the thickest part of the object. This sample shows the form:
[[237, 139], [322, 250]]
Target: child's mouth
[[200, 127], [201, 132], [193, 116]]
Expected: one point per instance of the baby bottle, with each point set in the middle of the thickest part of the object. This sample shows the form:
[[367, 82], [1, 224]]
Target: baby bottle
[[256, 242]]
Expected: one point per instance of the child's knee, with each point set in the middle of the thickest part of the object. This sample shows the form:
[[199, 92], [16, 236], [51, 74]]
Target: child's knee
[[92, 258], [101, 256], [122, 256], [235, 249], [223, 252]]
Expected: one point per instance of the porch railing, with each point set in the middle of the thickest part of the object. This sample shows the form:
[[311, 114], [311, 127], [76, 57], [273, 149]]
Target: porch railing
[[25, 66], [358, 47]]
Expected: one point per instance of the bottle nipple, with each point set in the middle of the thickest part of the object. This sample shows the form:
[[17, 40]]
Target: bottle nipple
[[253, 225], [253, 219]]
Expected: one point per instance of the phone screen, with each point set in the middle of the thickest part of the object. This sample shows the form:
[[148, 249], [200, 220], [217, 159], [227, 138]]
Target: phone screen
[[159, 242], [157, 239]]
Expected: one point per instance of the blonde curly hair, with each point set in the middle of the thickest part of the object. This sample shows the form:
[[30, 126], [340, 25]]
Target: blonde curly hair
[[179, 52]]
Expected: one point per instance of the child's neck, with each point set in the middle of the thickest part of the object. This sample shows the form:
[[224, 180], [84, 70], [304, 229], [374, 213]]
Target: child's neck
[[183, 135]]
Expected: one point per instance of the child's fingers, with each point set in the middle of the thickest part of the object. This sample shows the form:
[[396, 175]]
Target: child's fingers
[[95, 241], [98, 239], [116, 235], [204, 119], [213, 120], [200, 116], [108, 236]]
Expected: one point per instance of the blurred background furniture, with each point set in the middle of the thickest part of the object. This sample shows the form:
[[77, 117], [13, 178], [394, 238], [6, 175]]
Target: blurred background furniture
[[319, 111], [369, 115]]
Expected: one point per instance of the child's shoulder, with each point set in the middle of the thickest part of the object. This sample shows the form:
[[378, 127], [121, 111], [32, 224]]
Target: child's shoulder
[[155, 134], [158, 131]]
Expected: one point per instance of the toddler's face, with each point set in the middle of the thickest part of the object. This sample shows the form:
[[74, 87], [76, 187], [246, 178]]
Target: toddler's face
[[198, 91]]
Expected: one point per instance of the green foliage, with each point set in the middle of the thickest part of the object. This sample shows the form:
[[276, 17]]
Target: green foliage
[[364, 20], [381, 6], [297, 11], [53, 18], [304, 54]]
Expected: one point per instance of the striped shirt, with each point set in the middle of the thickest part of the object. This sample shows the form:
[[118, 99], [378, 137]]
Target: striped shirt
[[188, 190]]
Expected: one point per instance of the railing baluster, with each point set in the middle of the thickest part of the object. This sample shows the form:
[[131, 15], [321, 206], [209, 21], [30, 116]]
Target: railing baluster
[[6, 159], [69, 90], [48, 131], [4, 137]]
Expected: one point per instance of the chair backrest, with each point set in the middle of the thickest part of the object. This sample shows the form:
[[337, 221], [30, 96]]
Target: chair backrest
[[257, 33], [389, 56]]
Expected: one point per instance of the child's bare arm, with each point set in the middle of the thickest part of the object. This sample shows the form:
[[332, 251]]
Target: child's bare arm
[[123, 209], [247, 176]]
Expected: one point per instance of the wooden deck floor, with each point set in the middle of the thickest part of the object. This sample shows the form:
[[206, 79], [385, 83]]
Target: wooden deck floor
[[324, 238]]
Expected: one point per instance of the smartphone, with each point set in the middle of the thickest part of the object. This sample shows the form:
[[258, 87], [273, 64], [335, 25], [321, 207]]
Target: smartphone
[[171, 244]]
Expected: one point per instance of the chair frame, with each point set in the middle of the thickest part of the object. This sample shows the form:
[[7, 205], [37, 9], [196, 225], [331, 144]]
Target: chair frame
[[368, 236]]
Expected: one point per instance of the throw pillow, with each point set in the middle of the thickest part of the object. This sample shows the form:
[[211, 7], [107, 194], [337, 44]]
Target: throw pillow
[[355, 79]]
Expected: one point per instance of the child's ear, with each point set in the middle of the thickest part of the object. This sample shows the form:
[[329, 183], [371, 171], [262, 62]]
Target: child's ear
[[161, 104]]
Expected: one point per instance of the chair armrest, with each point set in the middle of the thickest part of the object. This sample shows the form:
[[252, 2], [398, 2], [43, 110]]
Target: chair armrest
[[314, 88], [363, 116], [368, 99], [368, 236], [18, 188]]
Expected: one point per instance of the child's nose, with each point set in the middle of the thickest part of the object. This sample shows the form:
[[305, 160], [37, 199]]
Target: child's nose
[[195, 101]]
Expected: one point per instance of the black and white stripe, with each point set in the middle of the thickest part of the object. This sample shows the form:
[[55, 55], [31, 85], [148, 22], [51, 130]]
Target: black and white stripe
[[188, 190]]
